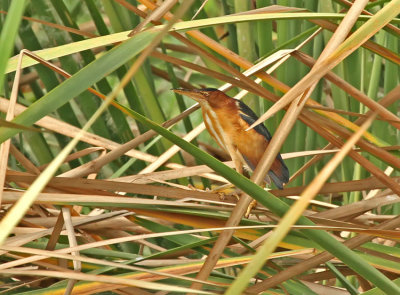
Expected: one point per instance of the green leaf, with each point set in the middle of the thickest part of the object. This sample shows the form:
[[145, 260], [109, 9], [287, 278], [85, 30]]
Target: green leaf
[[8, 34]]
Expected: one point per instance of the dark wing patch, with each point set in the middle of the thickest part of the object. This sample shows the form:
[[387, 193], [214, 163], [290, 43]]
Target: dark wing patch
[[250, 117], [208, 89]]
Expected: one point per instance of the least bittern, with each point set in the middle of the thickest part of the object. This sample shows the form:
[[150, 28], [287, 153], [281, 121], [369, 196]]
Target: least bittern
[[226, 120]]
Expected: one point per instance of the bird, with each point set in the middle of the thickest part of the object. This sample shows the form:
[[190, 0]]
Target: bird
[[227, 119]]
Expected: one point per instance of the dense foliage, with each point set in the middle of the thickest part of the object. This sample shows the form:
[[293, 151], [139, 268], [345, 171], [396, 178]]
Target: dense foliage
[[111, 185]]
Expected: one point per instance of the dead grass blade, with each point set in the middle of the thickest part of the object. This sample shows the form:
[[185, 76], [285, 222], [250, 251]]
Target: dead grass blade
[[155, 16], [370, 183], [109, 185], [58, 26], [24, 161], [72, 241]]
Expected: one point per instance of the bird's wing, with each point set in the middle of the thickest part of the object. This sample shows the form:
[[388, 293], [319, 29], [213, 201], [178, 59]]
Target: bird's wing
[[250, 117], [280, 174]]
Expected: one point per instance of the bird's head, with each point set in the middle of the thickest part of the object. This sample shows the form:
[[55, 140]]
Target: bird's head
[[203, 95]]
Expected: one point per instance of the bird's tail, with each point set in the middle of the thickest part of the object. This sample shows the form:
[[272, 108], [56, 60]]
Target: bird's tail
[[279, 173]]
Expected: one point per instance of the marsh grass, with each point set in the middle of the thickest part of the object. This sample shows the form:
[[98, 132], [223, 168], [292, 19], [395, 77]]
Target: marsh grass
[[103, 193]]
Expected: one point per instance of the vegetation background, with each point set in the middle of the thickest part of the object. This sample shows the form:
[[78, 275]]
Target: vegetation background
[[132, 210]]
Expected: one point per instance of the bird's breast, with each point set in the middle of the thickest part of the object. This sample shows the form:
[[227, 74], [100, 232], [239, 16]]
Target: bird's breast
[[214, 126], [250, 143]]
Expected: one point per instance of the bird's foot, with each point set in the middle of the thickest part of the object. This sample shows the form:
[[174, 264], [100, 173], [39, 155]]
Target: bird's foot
[[225, 190], [252, 205]]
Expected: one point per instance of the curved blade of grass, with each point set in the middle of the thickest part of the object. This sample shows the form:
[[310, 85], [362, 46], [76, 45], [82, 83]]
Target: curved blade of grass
[[67, 49], [202, 23], [75, 47]]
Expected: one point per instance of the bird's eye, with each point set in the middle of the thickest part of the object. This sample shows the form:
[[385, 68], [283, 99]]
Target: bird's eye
[[206, 93]]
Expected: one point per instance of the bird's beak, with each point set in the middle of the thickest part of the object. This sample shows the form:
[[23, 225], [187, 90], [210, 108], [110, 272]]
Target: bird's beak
[[192, 93]]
